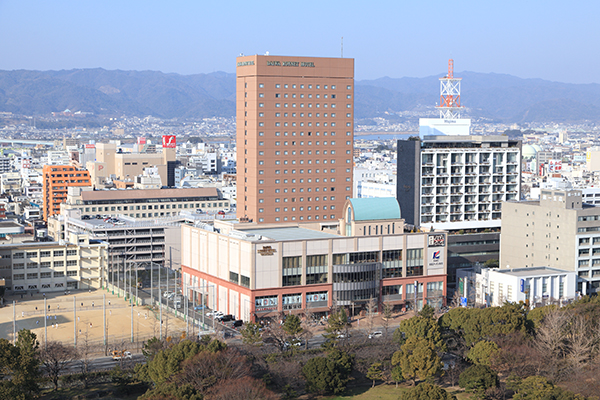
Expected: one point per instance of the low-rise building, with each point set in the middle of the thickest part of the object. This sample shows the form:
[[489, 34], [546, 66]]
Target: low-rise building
[[258, 271]]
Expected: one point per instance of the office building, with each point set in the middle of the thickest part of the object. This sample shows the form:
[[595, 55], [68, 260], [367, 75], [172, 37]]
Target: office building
[[294, 137], [256, 271], [457, 182], [144, 203], [56, 180], [558, 231]]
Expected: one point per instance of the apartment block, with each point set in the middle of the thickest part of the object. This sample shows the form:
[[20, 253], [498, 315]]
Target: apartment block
[[56, 180]]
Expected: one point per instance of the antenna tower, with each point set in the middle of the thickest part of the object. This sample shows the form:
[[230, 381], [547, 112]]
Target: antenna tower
[[450, 94]]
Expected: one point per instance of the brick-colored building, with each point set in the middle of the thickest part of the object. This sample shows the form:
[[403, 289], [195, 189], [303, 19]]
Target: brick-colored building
[[294, 137], [57, 179]]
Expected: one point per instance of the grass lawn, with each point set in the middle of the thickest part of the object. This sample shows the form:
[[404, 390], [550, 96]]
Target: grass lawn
[[388, 392]]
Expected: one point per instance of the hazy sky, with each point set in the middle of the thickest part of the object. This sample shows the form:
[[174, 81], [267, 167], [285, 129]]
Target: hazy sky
[[555, 40]]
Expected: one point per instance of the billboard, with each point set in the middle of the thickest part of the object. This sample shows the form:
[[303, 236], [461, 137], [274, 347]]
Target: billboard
[[169, 141], [435, 260], [554, 166], [90, 146], [142, 140]]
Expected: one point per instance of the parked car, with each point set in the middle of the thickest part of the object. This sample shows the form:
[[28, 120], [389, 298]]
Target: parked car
[[227, 318], [221, 212], [237, 323], [215, 314], [375, 334], [200, 307], [167, 294]]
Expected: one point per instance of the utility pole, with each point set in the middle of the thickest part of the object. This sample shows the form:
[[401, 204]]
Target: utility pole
[[104, 317], [45, 323], [14, 323], [151, 283], [74, 321]]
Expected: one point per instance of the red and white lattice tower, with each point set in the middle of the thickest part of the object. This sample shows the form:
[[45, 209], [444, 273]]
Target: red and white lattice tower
[[450, 94]]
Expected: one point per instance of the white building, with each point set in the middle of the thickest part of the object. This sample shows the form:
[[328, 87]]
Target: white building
[[536, 286]]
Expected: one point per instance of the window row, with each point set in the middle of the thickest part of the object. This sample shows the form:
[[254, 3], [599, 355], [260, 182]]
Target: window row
[[302, 86]]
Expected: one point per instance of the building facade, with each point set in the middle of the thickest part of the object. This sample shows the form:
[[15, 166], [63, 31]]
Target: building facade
[[294, 137], [144, 203], [256, 271], [79, 263], [457, 182], [56, 180], [559, 231]]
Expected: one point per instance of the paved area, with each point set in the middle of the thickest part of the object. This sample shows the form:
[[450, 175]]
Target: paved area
[[65, 325]]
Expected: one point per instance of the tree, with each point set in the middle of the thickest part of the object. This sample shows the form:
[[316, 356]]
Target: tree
[[246, 388], [337, 325], [396, 374], [251, 334], [56, 358], [422, 327], [387, 316], [21, 364], [293, 327], [427, 312], [426, 391], [418, 359], [478, 378], [375, 372], [85, 359], [482, 352], [537, 387], [371, 309], [329, 374]]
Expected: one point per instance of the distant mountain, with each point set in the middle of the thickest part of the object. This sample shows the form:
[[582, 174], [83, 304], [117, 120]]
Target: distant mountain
[[495, 96]]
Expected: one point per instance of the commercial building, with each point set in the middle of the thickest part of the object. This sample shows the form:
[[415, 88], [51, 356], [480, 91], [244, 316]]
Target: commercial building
[[536, 286], [457, 182], [256, 271], [56, 180], [78, 263], [558, 231], [294, 137], [111, 161], [144, 203]]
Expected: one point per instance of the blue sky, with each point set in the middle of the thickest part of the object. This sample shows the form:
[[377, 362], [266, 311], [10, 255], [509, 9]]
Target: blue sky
[[554, 40]]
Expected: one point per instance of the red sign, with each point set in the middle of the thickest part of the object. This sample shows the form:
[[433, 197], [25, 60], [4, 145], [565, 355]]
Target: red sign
[[90, 146], [142, 140], [169, 141]]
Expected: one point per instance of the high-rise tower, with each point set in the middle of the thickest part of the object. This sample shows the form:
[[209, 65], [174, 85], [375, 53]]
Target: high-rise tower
[[294, 137], [450, 94]]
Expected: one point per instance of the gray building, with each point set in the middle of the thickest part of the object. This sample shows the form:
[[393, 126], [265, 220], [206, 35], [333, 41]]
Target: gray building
[[457, 182], [558, 231]]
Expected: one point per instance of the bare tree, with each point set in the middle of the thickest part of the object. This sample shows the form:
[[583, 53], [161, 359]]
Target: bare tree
[[56, 358], [582, 338], [387, 316], [371, 310], [85, 359]]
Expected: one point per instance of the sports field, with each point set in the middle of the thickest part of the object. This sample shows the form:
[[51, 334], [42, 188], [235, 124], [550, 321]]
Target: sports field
[[67, 326]]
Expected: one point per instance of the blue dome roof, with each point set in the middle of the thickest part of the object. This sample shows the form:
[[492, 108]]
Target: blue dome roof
[[375, 208]]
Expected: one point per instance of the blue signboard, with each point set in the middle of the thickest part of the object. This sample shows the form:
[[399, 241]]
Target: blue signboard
[[522, 285], [463, 301]]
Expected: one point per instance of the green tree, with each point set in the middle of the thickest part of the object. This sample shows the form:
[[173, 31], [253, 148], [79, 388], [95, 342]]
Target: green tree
[[21, 363], [251, 334], [426, 391], [324, 375], [375, 372], [418, 359], [482, 352], [172, 391], [427, 312], [478, 378], [337, 326], [422, 327], [293, 327], [491, 263], [396, 374]]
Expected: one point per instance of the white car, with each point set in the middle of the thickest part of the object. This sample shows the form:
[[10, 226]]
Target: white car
[[376, 334], [215, 314]]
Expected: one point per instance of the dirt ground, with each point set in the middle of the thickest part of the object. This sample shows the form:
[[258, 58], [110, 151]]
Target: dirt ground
[[66, 326]]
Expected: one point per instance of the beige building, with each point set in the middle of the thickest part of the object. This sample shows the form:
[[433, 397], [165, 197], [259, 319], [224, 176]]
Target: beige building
[[126, 166], [78, 263], [294, 137], [144, 203], [558, 231]]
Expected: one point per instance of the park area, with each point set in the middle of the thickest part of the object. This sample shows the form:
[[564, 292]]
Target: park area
[[86, 322]]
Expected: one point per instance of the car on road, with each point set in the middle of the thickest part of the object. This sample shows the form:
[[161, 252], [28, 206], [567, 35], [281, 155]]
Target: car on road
[[376, 334], [200, 307], [167, 294], [117, 355], [227, 318], [221, 212], [215, 314]]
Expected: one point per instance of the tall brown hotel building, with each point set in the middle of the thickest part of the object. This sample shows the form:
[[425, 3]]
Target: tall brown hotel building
[[295, 130]]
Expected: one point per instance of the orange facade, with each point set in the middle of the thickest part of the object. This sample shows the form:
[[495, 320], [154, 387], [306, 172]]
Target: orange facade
[[295, 132], [57, 180]]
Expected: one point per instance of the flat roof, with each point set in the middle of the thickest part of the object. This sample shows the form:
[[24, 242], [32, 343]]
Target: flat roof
[[533, 271], [127, 194], [290, 233]]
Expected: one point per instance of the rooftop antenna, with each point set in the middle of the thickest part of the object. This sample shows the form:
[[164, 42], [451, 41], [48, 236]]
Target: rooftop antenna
[[450, 94], [342, 47]]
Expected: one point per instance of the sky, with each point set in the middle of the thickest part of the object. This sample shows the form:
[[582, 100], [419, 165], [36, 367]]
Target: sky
[[553, 40]]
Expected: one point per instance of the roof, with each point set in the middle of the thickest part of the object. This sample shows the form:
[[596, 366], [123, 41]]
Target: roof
[[290, 233], [116, 195], [375, 208], [531, 271]]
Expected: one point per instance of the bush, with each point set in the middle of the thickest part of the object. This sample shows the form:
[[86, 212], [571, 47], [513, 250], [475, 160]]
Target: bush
[[329, 374], [426, 391], [478, 378]]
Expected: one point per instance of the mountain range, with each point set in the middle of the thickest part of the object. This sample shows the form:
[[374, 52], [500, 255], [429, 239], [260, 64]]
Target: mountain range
[[497, 97]]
